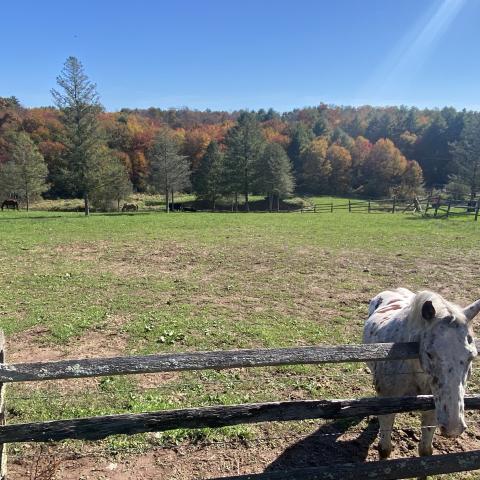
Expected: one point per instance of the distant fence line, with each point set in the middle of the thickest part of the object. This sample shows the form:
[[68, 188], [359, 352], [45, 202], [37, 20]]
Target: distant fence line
[[435, 206], [95, 428]]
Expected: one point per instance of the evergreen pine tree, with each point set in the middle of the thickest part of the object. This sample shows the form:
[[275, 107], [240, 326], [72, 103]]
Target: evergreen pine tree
[[466, 154], [245, 143], [77, 98], [170, 171], [206, 180], [26, 172], [274, 174]]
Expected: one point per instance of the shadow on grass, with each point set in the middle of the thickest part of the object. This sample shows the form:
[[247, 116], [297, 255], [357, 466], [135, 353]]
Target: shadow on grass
[[37, 217], [427, 217], [124, 214], [71, 215], [326, 447]]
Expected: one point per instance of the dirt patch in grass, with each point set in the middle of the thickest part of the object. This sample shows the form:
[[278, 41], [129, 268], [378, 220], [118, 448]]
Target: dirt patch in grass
[[32, 346]]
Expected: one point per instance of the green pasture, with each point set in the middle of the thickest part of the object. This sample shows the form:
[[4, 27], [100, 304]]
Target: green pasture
[[150, 282]]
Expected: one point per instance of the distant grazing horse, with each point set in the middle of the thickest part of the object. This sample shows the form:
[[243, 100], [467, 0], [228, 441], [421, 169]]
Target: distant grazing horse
[[130, 207], [175, 207], [10, 203], [443, 331]]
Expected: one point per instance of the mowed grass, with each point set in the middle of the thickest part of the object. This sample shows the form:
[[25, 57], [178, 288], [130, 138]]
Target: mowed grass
[[151, 282]]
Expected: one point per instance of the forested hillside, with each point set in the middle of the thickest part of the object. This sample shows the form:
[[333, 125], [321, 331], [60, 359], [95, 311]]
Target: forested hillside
[[316, 150]]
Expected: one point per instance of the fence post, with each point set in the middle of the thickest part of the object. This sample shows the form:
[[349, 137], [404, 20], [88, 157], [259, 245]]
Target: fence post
[[315, 208], [394, 204], [437, 205], [369, 208], [476, 210], [331, 208], [3, 446], [349, 205], [448, 208]]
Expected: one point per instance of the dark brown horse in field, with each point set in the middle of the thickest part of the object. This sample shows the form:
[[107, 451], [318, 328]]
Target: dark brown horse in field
[[130, 207], [10, 203]]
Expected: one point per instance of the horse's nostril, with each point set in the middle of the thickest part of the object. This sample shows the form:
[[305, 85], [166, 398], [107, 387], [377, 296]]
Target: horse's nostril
[[444, 432]]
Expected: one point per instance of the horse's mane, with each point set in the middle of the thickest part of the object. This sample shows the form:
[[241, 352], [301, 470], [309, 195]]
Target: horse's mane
[[443, 308]]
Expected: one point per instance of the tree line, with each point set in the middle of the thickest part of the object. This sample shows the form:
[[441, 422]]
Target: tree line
[[77, 149]]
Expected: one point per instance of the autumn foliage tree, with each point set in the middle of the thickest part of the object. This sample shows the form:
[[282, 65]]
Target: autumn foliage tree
[[360, 151], [316, 167], [340, 161], [412, 181], [383, 168], [382, 143]]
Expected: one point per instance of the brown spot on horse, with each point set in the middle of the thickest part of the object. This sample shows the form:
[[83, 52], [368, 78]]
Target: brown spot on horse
[[392, 307]]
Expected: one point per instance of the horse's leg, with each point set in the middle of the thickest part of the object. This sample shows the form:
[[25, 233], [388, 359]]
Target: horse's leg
[[385, 444], [425, 446]]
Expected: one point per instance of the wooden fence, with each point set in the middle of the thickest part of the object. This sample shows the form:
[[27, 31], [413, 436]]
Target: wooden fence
[[94, 428], [440, 207], [435, 206], [391, 205]]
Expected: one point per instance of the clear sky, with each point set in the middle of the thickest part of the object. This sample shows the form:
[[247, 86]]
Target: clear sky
[[232, 54]]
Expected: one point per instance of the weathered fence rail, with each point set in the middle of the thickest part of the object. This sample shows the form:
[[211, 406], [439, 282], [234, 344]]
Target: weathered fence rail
[[96, 367], [367, 206], [448, 207], [441, 207], [385, 470], [93, 428]]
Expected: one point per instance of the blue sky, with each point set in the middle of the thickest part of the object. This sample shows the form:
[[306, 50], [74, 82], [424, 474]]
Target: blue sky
[[231, 54]]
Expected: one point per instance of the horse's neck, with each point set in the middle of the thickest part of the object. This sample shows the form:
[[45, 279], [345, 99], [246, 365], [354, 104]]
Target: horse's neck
[[412, 329]]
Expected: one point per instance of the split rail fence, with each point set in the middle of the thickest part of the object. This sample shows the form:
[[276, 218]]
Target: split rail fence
[[95, 428], [391, 205], [432, 205]]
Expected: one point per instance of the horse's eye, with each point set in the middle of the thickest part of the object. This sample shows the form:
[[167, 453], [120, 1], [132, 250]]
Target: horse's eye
[[469, 339]]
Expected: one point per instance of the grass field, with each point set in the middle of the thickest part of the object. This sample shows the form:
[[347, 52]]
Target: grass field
[[150, 282]]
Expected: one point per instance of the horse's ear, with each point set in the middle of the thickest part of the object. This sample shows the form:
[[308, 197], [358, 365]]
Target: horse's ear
[[428, 310], [472, 310]]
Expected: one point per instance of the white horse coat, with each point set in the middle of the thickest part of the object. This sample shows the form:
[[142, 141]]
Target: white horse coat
[[447, 349]]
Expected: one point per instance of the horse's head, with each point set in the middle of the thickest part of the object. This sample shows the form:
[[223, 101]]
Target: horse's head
[[447, 349]]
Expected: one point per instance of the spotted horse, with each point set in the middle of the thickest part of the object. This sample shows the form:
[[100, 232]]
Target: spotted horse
[[447, 348]]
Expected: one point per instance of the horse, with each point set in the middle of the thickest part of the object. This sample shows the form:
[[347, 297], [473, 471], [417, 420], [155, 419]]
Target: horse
[[10, 203], [175, 207], [446, 349], [130, 207]]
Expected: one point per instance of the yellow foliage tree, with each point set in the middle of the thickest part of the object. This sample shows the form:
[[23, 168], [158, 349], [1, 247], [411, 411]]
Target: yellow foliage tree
[[341, 165], [316, 168], [383, 168]]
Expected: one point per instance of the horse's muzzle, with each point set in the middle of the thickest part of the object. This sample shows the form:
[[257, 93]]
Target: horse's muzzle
[[452, 432]]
